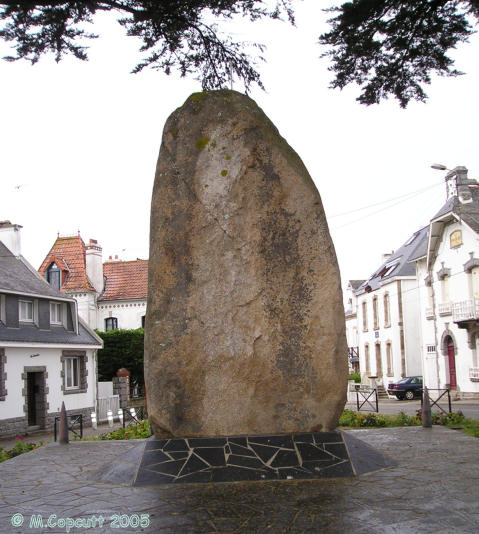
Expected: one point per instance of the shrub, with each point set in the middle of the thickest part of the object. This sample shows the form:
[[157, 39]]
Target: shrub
[[356, 377], [20, 447], [140, 430]]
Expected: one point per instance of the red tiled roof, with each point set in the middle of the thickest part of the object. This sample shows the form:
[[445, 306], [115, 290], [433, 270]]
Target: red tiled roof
[[125, 280], [68, 253]]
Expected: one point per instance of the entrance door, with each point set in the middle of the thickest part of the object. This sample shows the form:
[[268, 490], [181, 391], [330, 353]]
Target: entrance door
[[451, 356], [35, 399]]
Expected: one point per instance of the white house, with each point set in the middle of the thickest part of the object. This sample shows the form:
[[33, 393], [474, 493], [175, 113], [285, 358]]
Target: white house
[[110, 295], [448, 275], [388, 317], [351, 314], [47, 354]]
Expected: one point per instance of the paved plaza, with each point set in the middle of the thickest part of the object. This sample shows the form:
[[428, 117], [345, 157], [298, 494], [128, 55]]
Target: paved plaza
[[433, 489]]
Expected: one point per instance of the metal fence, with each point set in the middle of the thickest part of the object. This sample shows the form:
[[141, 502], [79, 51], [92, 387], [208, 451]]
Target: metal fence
[[74, 423], [445, 395]]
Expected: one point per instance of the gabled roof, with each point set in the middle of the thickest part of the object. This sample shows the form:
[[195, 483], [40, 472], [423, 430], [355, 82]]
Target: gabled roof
[[397, 265], [125, 280], [455, 210], [68, 253], [355, 283], [18, 276]]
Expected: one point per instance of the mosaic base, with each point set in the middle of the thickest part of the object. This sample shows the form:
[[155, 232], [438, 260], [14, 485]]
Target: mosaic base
[[230, 459]]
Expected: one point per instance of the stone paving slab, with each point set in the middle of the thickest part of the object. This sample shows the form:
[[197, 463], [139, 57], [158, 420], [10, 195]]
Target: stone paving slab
[[433, 489]]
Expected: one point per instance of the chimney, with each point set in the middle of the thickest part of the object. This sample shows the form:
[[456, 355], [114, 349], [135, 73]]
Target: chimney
[[94, 264], [10, 237]]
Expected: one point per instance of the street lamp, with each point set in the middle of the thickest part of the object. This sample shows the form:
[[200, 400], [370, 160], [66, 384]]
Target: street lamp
[[439, 167]]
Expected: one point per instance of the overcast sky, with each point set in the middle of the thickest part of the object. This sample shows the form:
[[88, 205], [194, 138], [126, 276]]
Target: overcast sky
[[79, 142]]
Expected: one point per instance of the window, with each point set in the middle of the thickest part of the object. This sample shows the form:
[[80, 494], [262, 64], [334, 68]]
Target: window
[[53, 276], [375, 313], [387, 317], [445, 289], [111, 323], [389, 358], [379, 362], [366, 357], [72, 373], [26, 311], [365, 316], [55, 313], [142, 321]]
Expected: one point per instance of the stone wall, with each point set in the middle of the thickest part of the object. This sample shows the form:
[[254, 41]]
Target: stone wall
[[17, 426]]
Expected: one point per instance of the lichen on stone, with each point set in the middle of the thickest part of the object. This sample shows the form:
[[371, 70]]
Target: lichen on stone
[[201, 143], [224, 172]]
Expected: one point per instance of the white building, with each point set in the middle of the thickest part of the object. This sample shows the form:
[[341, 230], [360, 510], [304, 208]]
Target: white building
[[352, 334], [448, 274], [47, 354], [388, 318], [110, 295]]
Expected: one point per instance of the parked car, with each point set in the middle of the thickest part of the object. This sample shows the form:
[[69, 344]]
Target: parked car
[[407, 388]]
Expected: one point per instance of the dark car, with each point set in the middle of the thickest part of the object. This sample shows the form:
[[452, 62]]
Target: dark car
[[407, 388]]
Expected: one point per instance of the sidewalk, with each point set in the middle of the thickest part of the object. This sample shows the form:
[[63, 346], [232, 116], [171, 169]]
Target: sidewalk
[[433, 489]]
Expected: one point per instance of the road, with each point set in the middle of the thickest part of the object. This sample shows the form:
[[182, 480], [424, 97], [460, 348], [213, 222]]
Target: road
[[469, 408]]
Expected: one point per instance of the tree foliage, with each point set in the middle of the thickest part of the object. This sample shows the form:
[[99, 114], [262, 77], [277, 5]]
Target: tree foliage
[[393, 46], [175, 34], [122, 348], [388, 47]]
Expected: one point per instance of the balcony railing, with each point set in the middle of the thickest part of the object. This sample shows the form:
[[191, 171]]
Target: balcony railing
[[445, 308], [474, 374], [465, 310], [429, 313]]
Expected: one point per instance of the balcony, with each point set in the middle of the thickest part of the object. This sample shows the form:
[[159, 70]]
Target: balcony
[[465, 310], [474, 374], [429, 313], [445, 308]]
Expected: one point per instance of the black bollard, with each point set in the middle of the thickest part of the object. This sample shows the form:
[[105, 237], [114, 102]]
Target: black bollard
[[63, 430], [426, 409]]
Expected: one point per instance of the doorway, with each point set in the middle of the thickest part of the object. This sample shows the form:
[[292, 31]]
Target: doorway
[[451, 358], [35, 399]]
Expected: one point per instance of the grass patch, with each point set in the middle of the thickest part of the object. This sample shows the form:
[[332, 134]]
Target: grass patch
[[457, 421], [351, 419]]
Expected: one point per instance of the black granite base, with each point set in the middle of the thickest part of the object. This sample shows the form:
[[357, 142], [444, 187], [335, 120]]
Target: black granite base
[[230, 459]]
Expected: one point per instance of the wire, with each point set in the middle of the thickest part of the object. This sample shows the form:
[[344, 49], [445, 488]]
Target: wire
[[402, 198]]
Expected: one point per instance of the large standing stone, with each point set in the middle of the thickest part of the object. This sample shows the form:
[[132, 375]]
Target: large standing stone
[[245, 323]]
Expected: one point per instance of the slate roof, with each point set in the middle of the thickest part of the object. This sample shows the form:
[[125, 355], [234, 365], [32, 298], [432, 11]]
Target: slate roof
[[69, 254], [397, 265], [468, 212], [125, 280], [57, 335], [356, 283], [16, 275]]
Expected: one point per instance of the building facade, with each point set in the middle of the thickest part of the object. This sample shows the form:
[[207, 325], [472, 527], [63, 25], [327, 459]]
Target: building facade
[[388, 318], [47, 354], [110, 295], [448, 275], [418, 314]]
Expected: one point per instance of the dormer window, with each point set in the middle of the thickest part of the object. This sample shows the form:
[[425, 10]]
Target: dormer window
[[55, 313], [25, 311], [53, 276]]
